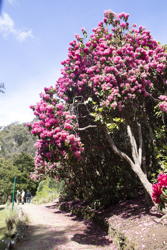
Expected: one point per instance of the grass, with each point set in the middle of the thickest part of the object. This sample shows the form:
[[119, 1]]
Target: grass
[[2, 223], [12, 222], [2, 227]]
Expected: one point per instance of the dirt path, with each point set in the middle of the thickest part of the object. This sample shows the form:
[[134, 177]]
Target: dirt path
[[50, 229]]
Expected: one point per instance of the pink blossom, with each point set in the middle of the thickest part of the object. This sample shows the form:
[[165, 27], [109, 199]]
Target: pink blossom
[[163, 98], [60, 106], [77, 154], [68, 126], [158, 187], [109, 14], [157, 191], [163, 106], [162, 180]]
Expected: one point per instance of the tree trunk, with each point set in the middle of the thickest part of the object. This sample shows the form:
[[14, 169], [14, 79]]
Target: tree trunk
[[136, 160], [143, 178]]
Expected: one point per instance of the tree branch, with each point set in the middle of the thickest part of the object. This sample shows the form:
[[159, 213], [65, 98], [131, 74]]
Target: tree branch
[[116, 150], [133, 144], [134, 164], [89, 126], [140, 143]]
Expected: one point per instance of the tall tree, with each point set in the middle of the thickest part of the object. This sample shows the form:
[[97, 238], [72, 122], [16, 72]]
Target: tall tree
[[24, 163], [7, 174], [118, 77], [15, 138]]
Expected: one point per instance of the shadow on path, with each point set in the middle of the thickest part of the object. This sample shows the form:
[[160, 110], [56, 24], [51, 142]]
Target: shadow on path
[[41, 237], [48, 238], [51, 229], [132, 209], [90, 234]]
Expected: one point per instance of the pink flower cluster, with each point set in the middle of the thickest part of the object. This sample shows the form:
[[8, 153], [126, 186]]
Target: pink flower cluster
[[55, 129], [159, 187], [116, 64], [163, 104]]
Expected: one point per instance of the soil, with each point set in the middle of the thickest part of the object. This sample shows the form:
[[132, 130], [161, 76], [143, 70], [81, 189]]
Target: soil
[[140, 224], [51, 228]]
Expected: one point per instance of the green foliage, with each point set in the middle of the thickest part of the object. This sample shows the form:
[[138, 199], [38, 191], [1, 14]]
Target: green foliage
[[120, 239], [48, 190], [16, 160], [2, 223], [14, 139], [7, 174], [20, 167], [11, 220], [25, 165], [161, 146], [12, 224]]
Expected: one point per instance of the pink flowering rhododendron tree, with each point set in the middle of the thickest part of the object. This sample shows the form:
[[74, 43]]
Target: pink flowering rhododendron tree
[[159, 194], [58, 141], [123, 70], [119, 74]]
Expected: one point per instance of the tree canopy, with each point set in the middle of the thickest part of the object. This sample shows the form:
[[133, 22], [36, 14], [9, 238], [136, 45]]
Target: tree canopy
[[15, 138], [106, 103], [16, 160]]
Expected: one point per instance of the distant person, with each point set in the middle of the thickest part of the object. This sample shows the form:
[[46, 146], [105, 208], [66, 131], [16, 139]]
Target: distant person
[[18, 197], [22, 196], [28, 196], [9, 200]]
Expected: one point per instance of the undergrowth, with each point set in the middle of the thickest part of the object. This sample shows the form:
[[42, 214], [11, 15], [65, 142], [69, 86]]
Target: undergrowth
[[48, 190], [14, 226]]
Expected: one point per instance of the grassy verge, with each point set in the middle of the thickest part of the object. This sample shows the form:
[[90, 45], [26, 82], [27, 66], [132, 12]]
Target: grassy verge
[[2, 223], [12, 226]]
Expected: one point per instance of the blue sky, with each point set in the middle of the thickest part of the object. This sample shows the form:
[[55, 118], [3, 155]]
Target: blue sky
[[34, 37]]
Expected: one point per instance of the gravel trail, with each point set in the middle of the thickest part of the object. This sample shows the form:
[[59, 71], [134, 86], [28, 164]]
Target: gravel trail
[[51, 229]]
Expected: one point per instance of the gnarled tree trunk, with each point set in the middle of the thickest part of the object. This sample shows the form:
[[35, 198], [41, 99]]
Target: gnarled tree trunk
[[136, 160]]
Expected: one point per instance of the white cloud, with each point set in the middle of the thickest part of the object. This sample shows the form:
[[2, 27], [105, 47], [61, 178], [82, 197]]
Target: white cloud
[[11, 1], [23, 35], [7, 27]]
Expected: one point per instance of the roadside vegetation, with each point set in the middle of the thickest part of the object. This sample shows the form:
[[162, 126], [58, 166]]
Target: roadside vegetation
[[47, 191], [2, 222], [12, 226], [16, 160]]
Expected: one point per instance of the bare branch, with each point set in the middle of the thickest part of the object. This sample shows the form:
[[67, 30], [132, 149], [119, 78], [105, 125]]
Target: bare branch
[[116, 150], [134, 165], [89, 126], [140, 143], [133, 144]]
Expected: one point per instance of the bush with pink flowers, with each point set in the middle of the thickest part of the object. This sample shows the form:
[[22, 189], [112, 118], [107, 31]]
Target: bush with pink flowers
[[112, 80], [56, 129]]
